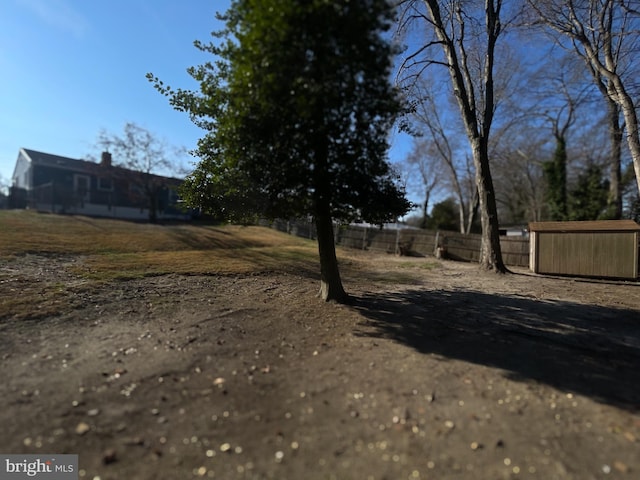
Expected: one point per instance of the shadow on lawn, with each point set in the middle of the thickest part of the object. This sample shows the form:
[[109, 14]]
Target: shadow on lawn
[[590, 350]]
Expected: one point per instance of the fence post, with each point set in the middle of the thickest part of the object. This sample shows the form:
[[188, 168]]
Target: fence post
[[364, 238]]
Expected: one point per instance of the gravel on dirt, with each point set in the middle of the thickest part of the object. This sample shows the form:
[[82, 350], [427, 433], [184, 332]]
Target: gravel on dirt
[[444, 372]]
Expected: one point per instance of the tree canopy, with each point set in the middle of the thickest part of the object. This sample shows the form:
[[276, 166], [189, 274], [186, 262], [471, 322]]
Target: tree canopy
[[297, 105]]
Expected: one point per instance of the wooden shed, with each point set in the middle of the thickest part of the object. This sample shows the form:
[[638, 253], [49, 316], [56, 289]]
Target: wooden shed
[[605, 248]]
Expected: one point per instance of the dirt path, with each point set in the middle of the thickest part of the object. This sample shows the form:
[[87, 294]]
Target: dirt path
[[434, 371]]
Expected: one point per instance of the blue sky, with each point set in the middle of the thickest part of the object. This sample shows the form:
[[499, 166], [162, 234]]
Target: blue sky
[[72, 67]]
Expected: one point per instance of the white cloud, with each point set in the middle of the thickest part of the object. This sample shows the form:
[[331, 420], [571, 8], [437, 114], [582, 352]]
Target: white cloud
[[58, 14]]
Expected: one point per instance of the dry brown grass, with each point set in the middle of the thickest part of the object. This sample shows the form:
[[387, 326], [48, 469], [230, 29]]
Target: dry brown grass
[[114, 249], [67, 254], [81, 253]]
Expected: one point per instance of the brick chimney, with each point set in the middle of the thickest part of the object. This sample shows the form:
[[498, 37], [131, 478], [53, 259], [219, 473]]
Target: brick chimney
[[105, 160]]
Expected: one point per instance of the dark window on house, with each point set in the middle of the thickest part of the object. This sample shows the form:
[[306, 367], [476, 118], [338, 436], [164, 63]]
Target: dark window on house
[[174, 197], [82, 185], [105, 184]]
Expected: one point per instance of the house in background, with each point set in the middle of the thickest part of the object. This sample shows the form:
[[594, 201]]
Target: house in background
[[56, 184]]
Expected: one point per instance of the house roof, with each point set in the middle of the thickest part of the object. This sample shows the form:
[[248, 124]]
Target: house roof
[[84, 166], [48, 159], [585, 226]]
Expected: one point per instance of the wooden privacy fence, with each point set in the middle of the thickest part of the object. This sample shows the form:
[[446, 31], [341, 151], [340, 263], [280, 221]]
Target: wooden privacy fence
[[410, 241]]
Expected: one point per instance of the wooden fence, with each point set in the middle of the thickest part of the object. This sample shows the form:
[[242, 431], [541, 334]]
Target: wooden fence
[[409, 241]]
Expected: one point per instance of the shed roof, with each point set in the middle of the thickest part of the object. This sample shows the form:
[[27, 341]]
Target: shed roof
[[586, 226]]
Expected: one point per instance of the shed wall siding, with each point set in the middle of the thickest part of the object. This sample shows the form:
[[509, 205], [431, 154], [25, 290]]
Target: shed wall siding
[[597, 254]]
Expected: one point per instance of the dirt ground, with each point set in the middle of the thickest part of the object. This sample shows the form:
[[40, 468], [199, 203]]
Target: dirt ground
[[434, 371]]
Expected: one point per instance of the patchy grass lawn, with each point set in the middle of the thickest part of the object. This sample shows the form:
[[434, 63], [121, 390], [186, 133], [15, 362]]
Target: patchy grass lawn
[[91, 251], [452, 372], [116, 249], [77, 254]]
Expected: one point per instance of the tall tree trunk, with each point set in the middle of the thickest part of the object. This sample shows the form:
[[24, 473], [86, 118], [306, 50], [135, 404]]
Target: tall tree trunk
[[631, 124], [330, 282], [614, 200], [490, 253], [617, 92], [474, 204], [476, 116], [425, 207], [461, 215]]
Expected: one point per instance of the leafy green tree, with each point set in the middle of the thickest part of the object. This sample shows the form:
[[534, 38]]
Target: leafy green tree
[[555, 175], [444, 216], [589, 199], [297, 105]]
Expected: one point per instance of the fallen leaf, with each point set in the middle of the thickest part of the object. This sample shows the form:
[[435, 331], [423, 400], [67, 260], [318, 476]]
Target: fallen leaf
[[621, 467]]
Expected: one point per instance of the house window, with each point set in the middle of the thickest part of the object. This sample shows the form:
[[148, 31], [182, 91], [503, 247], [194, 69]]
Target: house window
[[174, 197], [105, 184], [81, 185]]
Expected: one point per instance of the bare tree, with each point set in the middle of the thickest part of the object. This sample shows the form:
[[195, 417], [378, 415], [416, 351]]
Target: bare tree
[[561, 115], [421, 159], [145, 159], [603, 34], [440, 144], [468, 47], [615, 130], [518, 155]]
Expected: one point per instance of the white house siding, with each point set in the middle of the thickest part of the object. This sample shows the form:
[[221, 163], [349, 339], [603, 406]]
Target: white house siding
[[22, 172]]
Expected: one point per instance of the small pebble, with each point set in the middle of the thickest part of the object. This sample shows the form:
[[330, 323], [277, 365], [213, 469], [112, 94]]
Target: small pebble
[[82, 428]]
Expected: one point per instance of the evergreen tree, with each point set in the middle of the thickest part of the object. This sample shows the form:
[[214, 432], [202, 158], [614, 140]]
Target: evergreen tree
[[444, 216], [589, 199], [555, 174], [297, 106]]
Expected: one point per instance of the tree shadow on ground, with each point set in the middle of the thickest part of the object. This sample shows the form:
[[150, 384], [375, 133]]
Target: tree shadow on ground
[[585, 349]]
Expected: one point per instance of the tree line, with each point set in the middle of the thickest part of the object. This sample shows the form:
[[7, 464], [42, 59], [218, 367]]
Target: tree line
[[525, 109], [562, 143]]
